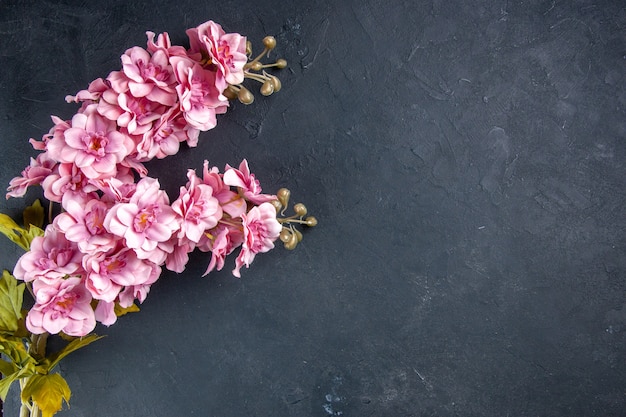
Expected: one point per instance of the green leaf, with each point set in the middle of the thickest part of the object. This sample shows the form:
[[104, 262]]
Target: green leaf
[[11, 297], [71, 347], [120, 311], [34, 215], [48, 392], [7, 380], [14, 232]]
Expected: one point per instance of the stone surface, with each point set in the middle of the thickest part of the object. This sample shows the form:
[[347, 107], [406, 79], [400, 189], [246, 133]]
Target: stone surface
[[466, 162]]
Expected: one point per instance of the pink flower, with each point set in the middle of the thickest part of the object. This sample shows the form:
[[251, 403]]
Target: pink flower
[[225, 240], [197, 208], [82, 223], [108, 273], [92, 143], [165, 136], [61, 305], [138, 113], [247, 183], [179, 256], [200, 99], [145, 221], [149, 76], [163, 43], [260, 230], [226, 50], [50, 257], [232, 203], [91, 94], [33, 174], [105, 312], [67, 179]]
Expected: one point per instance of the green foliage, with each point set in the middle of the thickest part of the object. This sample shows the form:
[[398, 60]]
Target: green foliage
[[19, 235], [11, 297], [75, 344], [47, 391]]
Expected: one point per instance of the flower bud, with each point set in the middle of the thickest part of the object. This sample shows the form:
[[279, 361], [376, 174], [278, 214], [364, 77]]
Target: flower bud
[[285, 235], [256, 66], [245, 96], [269, 42], [276, 205], [300, 209], [230, 93], [311, 221], [292, 243], [267, 88], [276, 83], [248, 48], [281, 63], [283, 196], [298, 235]]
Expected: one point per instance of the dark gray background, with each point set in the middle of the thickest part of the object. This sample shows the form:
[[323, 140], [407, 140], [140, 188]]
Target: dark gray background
[[465, 160]]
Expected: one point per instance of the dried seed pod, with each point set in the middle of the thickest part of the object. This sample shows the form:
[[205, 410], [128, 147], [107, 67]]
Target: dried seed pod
[[281, 63], [298, 234], [248, 48], [311, 221]]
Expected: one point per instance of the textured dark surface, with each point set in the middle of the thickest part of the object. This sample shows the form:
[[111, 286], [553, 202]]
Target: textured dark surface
[[466, 162]]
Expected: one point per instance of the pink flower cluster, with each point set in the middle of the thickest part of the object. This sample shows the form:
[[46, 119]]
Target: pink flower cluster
[[109, 247], [115, 235]]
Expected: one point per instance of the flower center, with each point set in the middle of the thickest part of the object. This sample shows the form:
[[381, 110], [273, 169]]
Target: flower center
[[145, 218], [96, 142], [151, 71]]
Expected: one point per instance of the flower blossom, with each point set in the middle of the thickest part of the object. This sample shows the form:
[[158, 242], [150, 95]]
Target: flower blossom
[[225, 240], [150, 76], [61, 305], [67, 180], [200, 99], [93, 143], [144, 221], [197, 208], [247, 183], [33, 174], [50, 257], [260, 230], [232, 203], [83, 223], [227, 51]]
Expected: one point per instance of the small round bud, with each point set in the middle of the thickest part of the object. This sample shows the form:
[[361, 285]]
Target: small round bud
[[256, 66], [285, 235], [269, 42], [267, 88], [311, 221], [292, 243], [298, 235], [300, 209], [283, 196], [276, 83], [281, 63], [276, 205], [245, 96], [230, 93], [248, 48]]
